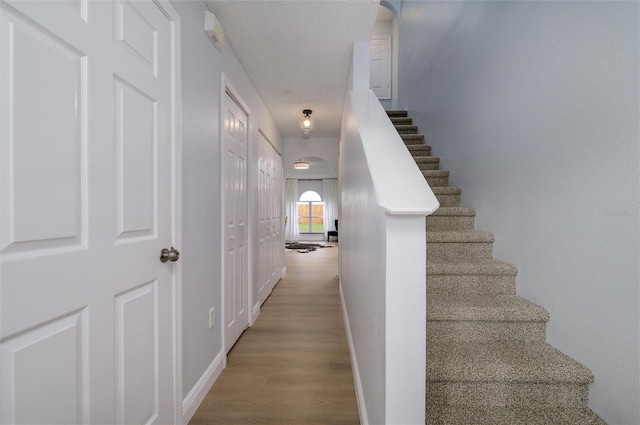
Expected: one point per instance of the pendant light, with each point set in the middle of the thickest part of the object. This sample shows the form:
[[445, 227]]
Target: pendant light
[[306, 122]]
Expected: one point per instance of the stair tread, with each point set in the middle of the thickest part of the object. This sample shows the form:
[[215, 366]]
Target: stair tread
[[463, 266], [486, 308], [410, 128], [401, 120], [460, 237], [454, 211], [435, 173], [514, 361], [397, 113], [446, 190], [423, 159], [463, 415]]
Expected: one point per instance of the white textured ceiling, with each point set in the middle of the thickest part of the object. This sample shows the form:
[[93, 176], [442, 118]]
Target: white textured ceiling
[[297, 54]]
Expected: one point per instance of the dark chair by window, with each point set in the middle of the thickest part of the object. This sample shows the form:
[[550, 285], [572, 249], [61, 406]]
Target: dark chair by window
[[333, 232]]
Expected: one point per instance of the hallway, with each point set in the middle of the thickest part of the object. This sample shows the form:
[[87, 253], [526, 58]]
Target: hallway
[[292, 366]]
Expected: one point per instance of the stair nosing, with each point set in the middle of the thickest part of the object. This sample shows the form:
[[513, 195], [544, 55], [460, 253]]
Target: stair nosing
[[461, 267], [454, 212], [468, 236], [493, 308], [525, 362]]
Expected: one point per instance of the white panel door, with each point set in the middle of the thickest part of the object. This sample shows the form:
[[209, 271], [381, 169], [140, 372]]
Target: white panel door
[[86, 206], [276, 242], [270, 244], [235, 141], [380, 75]]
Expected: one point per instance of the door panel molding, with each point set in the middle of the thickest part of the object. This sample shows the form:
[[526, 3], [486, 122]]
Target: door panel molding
[[236, 231]]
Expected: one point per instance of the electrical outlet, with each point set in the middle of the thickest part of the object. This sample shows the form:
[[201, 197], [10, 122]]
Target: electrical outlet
[[212, 317]]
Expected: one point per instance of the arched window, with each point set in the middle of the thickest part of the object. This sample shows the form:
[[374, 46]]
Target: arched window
[[310, 213]]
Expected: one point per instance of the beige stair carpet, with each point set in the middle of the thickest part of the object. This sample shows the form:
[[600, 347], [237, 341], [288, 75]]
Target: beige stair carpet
[[487, 358]]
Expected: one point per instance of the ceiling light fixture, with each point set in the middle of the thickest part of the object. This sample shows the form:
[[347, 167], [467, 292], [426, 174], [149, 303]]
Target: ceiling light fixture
[[306, 122], [301, 165]]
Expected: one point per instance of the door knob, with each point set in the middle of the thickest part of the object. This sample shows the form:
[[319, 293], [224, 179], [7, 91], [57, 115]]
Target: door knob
[[169, 255]]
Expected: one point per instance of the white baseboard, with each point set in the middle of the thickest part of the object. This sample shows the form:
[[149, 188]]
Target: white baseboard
[[283, 273], [193, 400], [354, 363]]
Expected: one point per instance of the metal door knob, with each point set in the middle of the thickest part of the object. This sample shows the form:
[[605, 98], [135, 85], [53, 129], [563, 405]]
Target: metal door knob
[[169, 255]]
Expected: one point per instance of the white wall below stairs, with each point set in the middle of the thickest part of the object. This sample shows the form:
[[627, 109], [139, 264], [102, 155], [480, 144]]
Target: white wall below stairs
[[533, 106]]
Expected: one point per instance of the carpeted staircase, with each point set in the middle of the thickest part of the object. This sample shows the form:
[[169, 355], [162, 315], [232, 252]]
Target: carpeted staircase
[[487, 359]]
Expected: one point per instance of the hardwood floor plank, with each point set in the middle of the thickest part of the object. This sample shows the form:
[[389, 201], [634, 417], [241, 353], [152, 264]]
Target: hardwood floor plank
[[293, 365]]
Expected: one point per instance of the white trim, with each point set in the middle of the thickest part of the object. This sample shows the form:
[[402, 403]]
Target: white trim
[[283, 272], [176, 202], [200, 390], [362, 408]]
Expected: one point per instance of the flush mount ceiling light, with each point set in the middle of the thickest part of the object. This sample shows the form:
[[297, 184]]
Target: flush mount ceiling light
[[306, 122], [301, 165]]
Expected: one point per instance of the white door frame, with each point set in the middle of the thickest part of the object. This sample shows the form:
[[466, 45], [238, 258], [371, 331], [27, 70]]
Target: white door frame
[[228, 88], [176, 201]]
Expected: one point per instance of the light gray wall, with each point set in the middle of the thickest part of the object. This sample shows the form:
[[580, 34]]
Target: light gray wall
[[383, 28], [534, 108], [202, 66]]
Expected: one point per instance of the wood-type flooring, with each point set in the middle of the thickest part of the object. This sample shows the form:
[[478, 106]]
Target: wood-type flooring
[[292, 366]]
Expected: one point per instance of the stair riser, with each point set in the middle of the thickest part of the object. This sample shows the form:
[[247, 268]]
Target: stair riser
[[451, 250], [419, 150], [429, 165], [471, 284], [407, 129], [526, 415], [455, 223], [505, 394], [397, 113], [449, 200], [438, 331], [438, 181], [412, 139], [401, 120]]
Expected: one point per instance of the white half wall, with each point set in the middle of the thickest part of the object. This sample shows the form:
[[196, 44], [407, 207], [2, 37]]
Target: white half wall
[[534, 108], [382, 263]]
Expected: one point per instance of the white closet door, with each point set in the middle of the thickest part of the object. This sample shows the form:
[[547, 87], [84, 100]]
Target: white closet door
[[270, 243], [235, 141]]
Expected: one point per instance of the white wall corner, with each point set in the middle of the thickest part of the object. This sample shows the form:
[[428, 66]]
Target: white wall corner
[[361, 65], [199, 391]]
